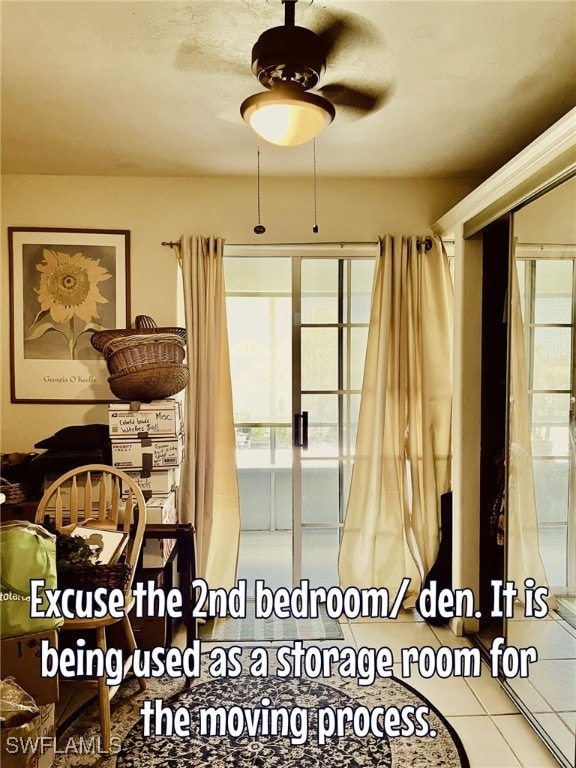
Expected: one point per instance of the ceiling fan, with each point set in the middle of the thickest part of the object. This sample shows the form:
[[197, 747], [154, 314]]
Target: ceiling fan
[[289, 61]]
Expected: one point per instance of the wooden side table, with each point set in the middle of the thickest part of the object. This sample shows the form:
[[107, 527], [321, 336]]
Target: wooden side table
[[185, 535]]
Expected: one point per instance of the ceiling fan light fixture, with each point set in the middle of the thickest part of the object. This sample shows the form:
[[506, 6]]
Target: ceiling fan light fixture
[[287, 115]]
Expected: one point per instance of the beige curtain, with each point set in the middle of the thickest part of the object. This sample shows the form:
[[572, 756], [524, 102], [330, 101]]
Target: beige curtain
[[522, 544], [401, 466], [209, 485]]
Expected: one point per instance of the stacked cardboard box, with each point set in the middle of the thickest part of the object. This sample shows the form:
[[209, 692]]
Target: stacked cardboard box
[[148, 444]]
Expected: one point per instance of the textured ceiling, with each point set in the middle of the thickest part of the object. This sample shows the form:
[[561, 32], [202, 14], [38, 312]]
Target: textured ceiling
[[154, 88]]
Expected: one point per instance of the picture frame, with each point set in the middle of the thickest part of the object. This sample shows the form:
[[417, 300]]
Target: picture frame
[[65, 284]]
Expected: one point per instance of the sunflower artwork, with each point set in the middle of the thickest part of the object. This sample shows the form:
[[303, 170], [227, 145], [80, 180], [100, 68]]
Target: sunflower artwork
[[69, 295], [65, 285]]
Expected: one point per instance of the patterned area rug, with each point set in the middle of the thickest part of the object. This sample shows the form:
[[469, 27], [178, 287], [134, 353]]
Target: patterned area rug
[[273, 628], [310, 699]]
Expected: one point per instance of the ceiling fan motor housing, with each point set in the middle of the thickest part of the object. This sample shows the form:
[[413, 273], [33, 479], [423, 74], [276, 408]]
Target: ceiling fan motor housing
[[289, 55]]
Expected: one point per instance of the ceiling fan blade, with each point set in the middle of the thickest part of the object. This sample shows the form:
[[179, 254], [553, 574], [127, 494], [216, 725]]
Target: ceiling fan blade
[[342, 31], [358, 101]]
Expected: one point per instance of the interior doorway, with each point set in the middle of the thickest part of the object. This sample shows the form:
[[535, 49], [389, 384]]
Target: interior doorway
[[298, 326]]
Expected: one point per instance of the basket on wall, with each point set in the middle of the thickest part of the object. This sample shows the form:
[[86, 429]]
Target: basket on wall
[[145, 363]]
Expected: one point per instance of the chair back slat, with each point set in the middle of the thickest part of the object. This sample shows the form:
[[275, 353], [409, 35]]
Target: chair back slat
[[128, 510], [88, 495], [58, 509], [115, 511], [73, 501], [102, 500]]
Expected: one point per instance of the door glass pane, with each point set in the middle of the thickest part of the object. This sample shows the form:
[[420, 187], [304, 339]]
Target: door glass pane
[[550, 441], [550, 408], [319, 358], [319, 286], [350, 425], [260, 341], [322, 424], [266, 555], [553, 543], [354, 373], [320, 492], [258, 275], [259, 309], [551, 482], [553, 302], [552, 358], [320, 556], [362, 277], [255, 487]]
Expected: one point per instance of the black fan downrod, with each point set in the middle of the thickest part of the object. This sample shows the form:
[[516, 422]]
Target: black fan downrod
[[289, 54]]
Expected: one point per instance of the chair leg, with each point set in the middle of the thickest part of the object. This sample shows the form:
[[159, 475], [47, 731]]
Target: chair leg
[[131, 640], [103, 696]]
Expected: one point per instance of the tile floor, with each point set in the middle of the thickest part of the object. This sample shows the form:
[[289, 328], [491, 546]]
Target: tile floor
[[494, 733]]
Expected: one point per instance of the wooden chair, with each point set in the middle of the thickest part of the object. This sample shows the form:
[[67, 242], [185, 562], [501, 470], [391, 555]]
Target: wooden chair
[[102, 497]]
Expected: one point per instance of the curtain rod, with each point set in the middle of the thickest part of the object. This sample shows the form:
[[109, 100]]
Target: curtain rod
[[426, 242]]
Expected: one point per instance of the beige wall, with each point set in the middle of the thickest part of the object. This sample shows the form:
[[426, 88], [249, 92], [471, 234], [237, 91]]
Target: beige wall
[[157, 209], [550, 218]]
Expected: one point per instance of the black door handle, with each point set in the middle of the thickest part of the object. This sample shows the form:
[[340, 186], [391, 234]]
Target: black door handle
[[301, 430]]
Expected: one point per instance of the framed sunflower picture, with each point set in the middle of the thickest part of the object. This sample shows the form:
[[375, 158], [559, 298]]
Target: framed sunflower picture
[[65, 284]]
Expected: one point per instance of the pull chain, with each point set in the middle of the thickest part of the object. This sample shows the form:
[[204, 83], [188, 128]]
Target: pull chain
[[259, 229], [315, 226]]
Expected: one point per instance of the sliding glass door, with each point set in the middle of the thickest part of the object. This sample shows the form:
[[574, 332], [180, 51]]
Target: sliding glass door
[[297, 327], [331, 309], [547, 278], [542, 450]]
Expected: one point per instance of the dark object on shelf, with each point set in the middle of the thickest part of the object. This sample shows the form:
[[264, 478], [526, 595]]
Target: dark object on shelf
[[441, 571], [15, 466], [54, 462], [16, 482], [84, 437]]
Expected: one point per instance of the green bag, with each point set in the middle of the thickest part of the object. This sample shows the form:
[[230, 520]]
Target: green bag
[[27, 551]]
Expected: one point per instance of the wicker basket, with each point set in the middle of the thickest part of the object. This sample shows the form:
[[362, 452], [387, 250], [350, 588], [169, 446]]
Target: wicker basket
[[144, 327], [150, 382], [15, 493], [90, 577], [124, 353]]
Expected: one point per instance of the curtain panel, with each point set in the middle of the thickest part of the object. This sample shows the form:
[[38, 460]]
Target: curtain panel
[[403, 445], [209, 497]]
